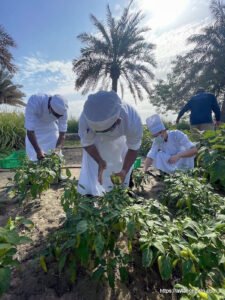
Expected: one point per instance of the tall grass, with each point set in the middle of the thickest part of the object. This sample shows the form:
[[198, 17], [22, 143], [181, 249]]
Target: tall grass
[[72, 126], [12, 131]]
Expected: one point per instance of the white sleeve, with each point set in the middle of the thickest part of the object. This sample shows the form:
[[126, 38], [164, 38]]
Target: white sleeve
[[183, 140], [63, 123], [153, 151], [87, 136], [134, 129], [32, 112]]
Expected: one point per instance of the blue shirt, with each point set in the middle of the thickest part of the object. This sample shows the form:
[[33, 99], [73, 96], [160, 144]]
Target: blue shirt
[[201, 106]]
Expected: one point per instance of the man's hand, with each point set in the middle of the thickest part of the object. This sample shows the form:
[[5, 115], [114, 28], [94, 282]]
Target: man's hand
[[174, 158], [122, 174], [177, 121], [40, 155], [101, 167]]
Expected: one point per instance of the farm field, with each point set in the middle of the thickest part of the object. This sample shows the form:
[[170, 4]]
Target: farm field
[[164, 239], [30, 282]]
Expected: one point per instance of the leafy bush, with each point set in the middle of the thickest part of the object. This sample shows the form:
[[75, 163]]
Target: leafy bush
[[9, 240], [188, 194], [193, 249], [91, 233], [211, 156], [140, 179], [35, 177], [181, 126], [12, 131], [72, 126], [146, 142]]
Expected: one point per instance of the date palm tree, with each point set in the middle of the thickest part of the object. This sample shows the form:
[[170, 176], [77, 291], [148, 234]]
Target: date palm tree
[[10, 93], [6, 57], [117, 54]]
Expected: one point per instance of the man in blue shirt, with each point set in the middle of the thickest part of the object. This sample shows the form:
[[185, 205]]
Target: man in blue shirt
[[201, 107]]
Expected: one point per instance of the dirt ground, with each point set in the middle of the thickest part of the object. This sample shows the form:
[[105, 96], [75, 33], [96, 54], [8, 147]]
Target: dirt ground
[[29, 282]]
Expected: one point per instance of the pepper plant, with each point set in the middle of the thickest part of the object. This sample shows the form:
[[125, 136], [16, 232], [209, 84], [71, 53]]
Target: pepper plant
[[35, 177], [187, 194], [9, 240], [211, 156], [91, 233], [140, 179]]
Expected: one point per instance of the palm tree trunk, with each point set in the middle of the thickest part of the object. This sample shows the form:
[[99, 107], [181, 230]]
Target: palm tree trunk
[[114, 84], [223, 110]]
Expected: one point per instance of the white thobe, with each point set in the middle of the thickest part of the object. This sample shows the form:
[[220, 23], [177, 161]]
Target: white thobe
[[45, 125], [160, 153], [112, 147]]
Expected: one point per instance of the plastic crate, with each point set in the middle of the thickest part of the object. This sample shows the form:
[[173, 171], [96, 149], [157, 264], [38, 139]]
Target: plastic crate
[[137, 163], [13, 161], [20, 155]]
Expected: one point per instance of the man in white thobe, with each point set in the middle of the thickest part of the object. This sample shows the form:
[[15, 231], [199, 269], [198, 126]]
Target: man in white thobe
[[171, 149], [46, 124], [110, 132]]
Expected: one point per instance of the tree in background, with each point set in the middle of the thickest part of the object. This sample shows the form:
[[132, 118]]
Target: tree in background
[[118, 51], [204, 66], [10, 93], [6, 57]]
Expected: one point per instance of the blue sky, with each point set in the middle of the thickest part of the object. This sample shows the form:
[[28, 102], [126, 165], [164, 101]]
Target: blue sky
[[46, 35]]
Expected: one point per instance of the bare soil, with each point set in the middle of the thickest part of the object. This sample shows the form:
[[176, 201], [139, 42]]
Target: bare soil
[[29, 282]]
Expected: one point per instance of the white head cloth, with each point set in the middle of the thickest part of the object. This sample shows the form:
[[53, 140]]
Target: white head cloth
[[102, 109], [59, 105], [155, 124]]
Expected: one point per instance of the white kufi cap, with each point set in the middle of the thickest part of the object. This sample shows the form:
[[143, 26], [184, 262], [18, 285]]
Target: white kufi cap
[[58, 104], [155, 124], [102, 109]]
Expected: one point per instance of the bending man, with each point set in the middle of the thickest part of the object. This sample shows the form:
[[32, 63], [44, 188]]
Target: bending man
[[110, 133], [171, 149], [46, 124]]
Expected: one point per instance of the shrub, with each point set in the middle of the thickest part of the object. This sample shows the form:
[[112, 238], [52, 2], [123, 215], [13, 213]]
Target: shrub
[[146, 142], [12, 131], [72, 125]]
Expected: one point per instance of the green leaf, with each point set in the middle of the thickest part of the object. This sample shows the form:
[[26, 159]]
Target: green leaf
[[147, 256], [165, 267], [176, 249], [62, 262], [111, 277], [217, 172], [123, 274], [83, 251], [186, 266], [4, 248], [131, 229], [24, 240], [99, 244], [82, 227], [5, 275], [12, 237], [68, 173], [98, 274], [85, 207], [222, 260], [159, 246]]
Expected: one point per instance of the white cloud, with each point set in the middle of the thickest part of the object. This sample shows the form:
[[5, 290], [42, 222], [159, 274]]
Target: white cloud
[[172, 43], [39, 75], [162, 12]]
